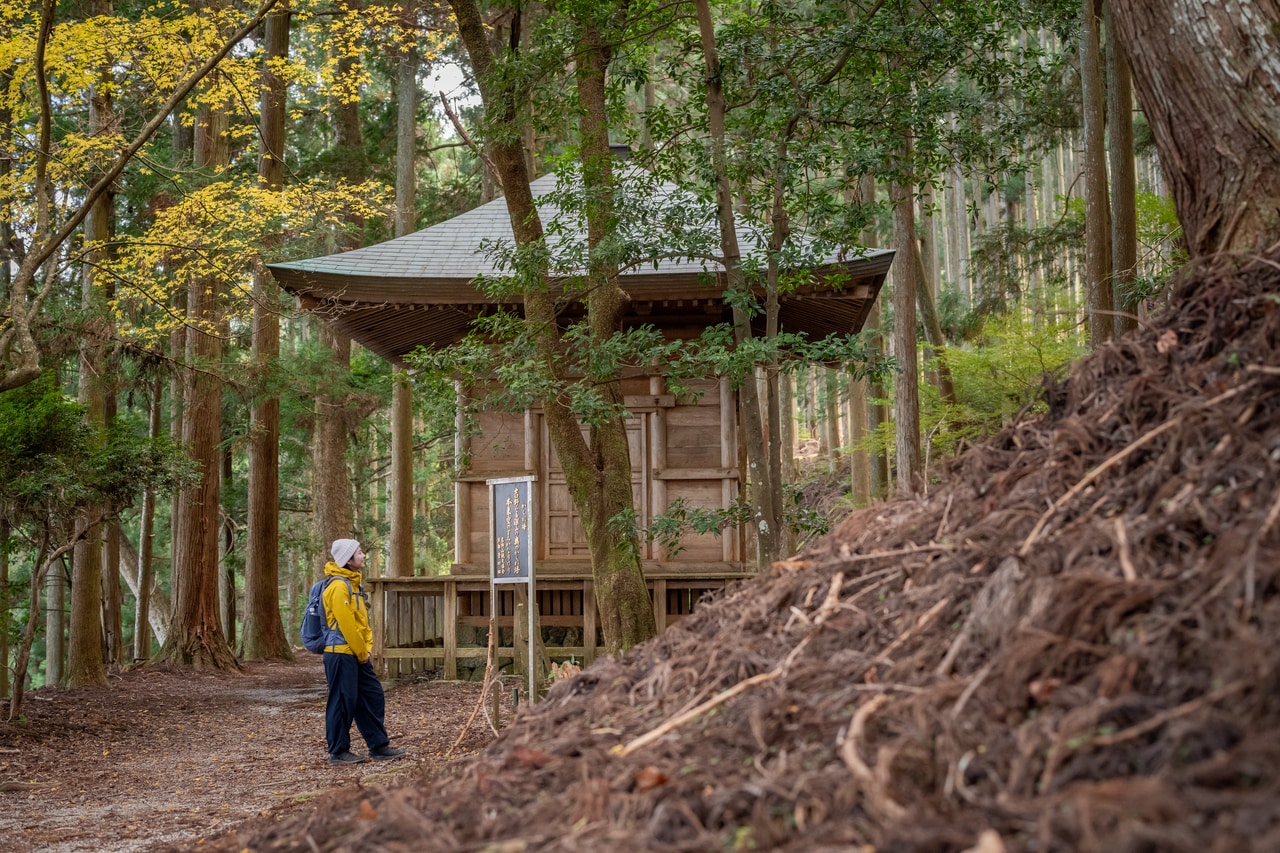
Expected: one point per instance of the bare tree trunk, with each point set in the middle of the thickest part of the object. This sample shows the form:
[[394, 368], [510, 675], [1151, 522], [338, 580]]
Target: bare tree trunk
[[264, 636], [906, 414], [937, 349], [927, 302], [859, 457], [401, 548], [146, 544], [831, 416], [1124, 181], [226, 550], [332, 492], [55, 621], [1097, 209], [765, 525], [332, 485], [1207, 79], [160, 613], [6, 615], [401, 562], [85, 649], [196, 638], [787, 425], [112, 594]]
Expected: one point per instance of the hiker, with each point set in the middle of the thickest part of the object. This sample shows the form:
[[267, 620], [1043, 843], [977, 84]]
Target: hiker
[[354, 690]]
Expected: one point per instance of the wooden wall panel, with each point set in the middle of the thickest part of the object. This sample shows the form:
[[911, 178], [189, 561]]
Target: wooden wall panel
[[479, 523], [701, 493], [499, 449], [693, 436]]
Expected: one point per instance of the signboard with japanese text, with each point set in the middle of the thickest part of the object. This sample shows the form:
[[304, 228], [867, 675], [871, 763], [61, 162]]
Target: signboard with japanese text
[[511, 526]]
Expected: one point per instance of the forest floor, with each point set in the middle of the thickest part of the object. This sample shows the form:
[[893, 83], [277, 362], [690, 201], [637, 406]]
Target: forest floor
[[167, 756], [1067, 644]]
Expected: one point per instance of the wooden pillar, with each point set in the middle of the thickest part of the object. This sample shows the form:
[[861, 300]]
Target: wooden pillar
[[451, 630], [400, 556], [730, 546], [589, 621], [377, 618], [657, 464], [660, 603], [461, 488]]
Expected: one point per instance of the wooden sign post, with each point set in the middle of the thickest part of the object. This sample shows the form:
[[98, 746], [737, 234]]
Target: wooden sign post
[[511, 526]]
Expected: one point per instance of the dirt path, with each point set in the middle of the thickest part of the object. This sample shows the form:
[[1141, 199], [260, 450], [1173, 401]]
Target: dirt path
[[168, 757]]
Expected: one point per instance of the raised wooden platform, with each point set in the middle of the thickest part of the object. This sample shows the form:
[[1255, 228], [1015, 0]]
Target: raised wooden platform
[[432, 622]]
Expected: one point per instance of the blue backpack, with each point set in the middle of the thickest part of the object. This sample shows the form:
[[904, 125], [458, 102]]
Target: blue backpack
[[315, 631]]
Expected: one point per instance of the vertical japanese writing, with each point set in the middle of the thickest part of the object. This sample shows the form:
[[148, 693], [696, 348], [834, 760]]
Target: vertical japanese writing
[[512, 523]]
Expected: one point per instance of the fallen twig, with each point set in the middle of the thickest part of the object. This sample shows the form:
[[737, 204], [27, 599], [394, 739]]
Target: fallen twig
[[622, 751], [848, 747], [693, 713], [1114, 460], [898, 552], [1251, 555], [1157, 720], [1126, 561], [921, 623], [489, 678]]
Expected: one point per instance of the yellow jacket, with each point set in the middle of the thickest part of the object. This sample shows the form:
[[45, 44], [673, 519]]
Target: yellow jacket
[[348, 612]]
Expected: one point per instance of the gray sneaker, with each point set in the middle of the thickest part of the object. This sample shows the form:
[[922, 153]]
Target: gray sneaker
[[347, 757], [386, 752]]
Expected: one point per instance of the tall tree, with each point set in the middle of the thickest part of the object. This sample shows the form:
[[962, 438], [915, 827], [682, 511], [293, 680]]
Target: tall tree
[[598, 469], [264, 636], [144, 564], [1124, 181], [85, 647], [766, 522], [1097, 207], [196, 637], [332, 491], [400, 555], [1216, 133], [906, 397], [20, 352]]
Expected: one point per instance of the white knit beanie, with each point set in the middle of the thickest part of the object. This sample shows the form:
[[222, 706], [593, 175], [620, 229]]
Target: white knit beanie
[[343, 550]]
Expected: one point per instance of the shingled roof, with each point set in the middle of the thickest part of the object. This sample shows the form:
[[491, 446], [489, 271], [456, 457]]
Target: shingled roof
[[419, 290]]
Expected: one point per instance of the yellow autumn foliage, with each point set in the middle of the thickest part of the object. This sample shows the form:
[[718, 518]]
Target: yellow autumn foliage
[[218, 233]]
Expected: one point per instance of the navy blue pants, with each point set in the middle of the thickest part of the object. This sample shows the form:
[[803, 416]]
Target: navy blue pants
[[354, 694]]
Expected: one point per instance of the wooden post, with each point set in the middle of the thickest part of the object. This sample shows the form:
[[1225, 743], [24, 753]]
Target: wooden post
[[451, 630], [657, 462], [660, 603], [400, 558], [589, 621], [377, 615], [730, 545], [461, 488]]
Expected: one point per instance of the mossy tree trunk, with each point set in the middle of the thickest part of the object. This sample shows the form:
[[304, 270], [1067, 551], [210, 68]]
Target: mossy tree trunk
[[598, 467]]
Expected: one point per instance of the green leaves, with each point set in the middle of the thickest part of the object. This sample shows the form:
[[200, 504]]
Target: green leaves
[[52, 463]]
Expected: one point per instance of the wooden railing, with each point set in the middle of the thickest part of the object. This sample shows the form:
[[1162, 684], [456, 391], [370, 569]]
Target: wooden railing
[[441, 622]]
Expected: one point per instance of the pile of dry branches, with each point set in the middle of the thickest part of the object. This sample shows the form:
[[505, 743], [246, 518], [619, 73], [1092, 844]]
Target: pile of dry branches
[[1067, 646]]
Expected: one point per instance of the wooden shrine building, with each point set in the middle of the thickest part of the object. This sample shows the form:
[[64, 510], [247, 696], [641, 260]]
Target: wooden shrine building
[[418, 290]]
